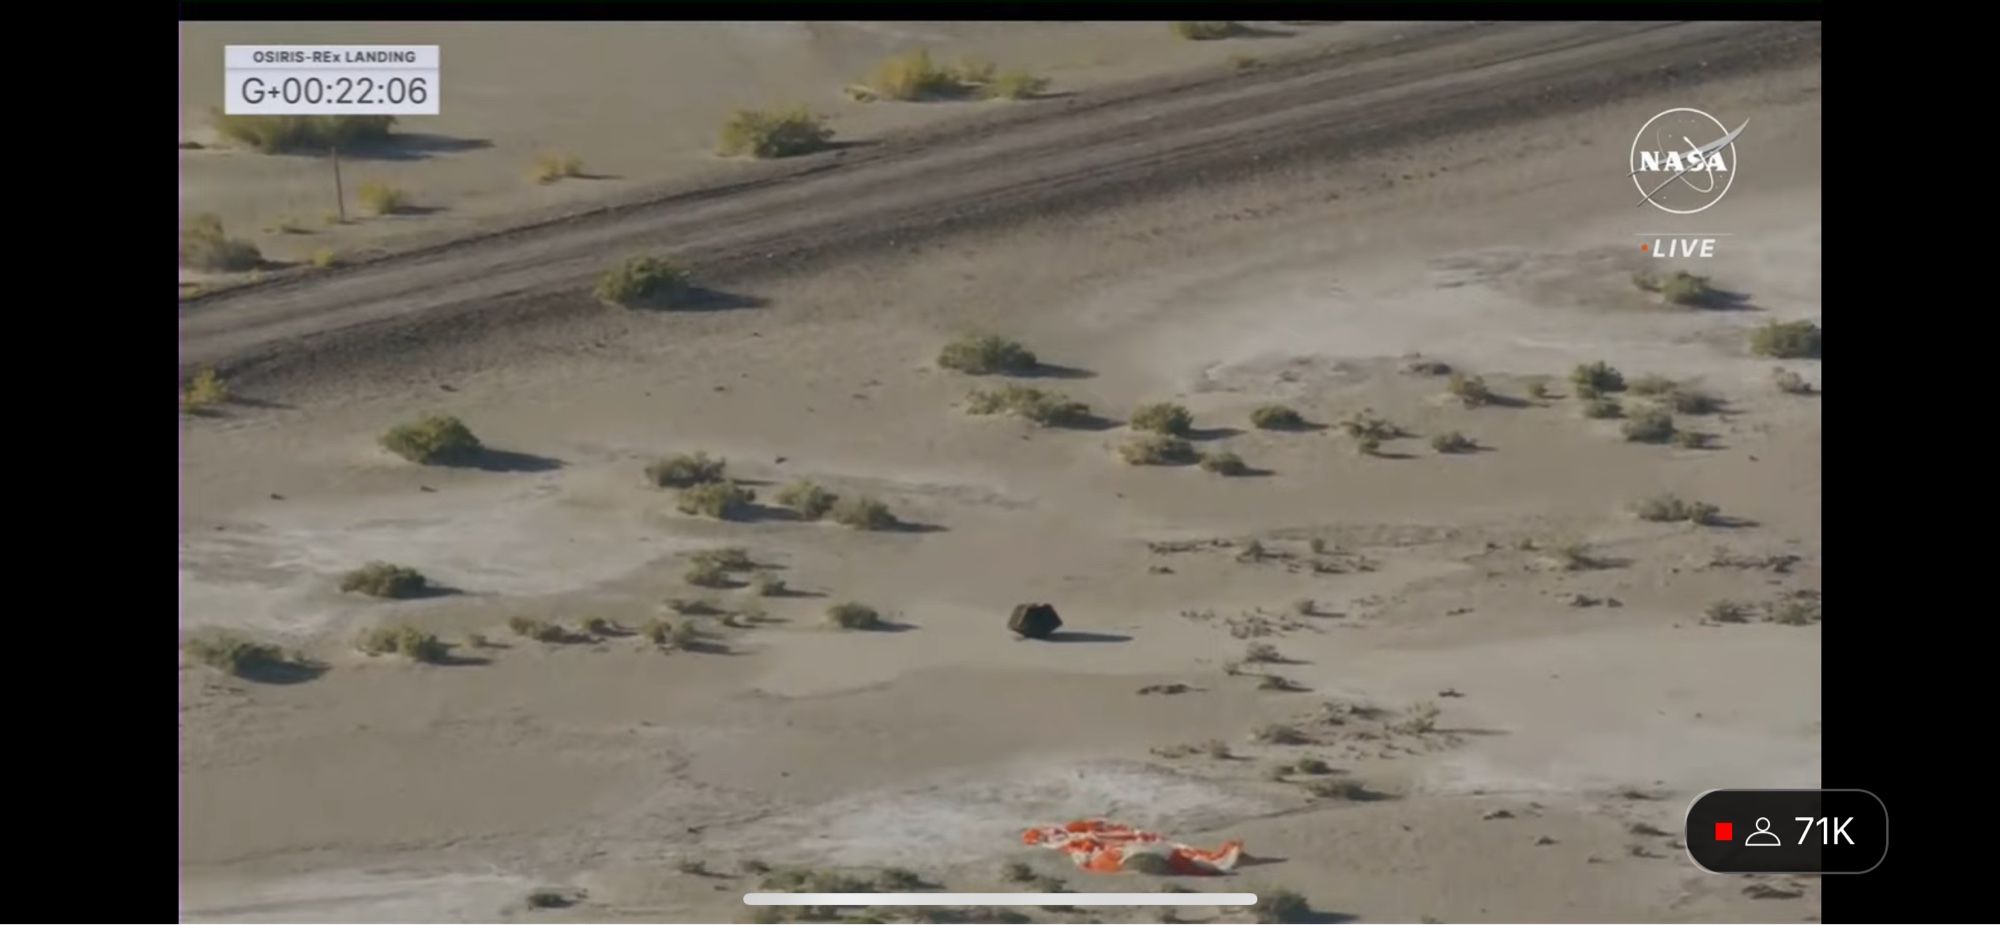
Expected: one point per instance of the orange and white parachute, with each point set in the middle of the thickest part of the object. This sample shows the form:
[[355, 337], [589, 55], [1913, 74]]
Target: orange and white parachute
[[1108, 847]]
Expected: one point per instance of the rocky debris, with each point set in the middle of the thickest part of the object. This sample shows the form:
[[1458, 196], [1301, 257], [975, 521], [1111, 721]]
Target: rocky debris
[[1034, 621]]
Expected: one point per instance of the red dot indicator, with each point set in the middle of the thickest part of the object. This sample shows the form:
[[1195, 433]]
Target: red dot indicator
[[1725, 831], [1645, 247]]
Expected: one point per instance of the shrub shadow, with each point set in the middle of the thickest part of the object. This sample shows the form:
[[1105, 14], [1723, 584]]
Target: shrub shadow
[[1056, 371], [1386, 454], [1303, 427], [888, 626], [413, 210], [248, 402], [1727, 522], [1498, 400], [698, 299], [1205, 434], [1723, 300], [491, 460], [1090, 422], [1084, 636], [412, 146], [1253, 472], [285, 672], [906, 526], [450, 660]]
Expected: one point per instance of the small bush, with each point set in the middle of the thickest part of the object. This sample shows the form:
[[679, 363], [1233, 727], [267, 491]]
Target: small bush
[[1539, 391], [913, 76], [683, 470], [204, 246], [1280, 734], [774, 133], [1224, 463], [1276, 417], [1367, 424], [1206, 31], [1453, 442], [1471, 390], [1728, 612], [1421, 719], [1163, 418], [1687, 401], [1338, 790], [1016, 872], [538, 630], [235, 654], [986, 354], [642, 281], [1367, 446], [1016, 85], [724, 500], [863, 513], [1684, 288], [807, 499], [1281, 906], [691, 608], [1786, 340], [1312, 766], [1601, 408], [1157, 450], [204, 391], [1793, 613], [769, 586], [552, 167], [694, 866], [1790, 382], [407, 641], [379, 198], [1317, 545], [707, 574], [1591, 379], [380, 579], [1690, 440], [727, 558], [853, 616], [548, 899], [1652, 425], [1670, 508], [325, 258], [658, 632], [1262, 652], [898, 880], [315, 134], [598, 626], [1049, 409], [1652, 385], [433, 440]]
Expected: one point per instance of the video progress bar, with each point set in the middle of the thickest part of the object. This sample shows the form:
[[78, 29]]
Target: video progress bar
[[999, 899]]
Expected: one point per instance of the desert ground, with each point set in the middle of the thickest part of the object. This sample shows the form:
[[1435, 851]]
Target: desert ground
[[1515, 683]]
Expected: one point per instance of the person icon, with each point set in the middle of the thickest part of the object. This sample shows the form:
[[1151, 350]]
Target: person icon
[[1763, 837]]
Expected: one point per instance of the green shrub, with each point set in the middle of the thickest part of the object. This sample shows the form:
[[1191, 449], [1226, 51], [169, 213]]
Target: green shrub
[[1224, 463], [1786, 340], [682, 470], [380, 579], [1276, 417], [1601, 408], [407, 641], [1790, 382], [1671, 508], [433, 440], [724, 500], [1205, 31], [1281, 906], [552, 167], [1157, 450], [1453, 442], [863, 513], [1651, 385], [1592, 379], [642, 281], [1470, 390], [326, 257], [313, 134], [1016, 85], [853, 616], [774, 133], [913, 76], [204, 246], [1652, 425], [1163, 418], [1049, 409], [235, 654], [807, 499], [203, 392], [378, 198], [986, 354]]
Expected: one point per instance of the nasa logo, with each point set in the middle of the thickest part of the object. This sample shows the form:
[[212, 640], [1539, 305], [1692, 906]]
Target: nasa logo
[[1683, 161]]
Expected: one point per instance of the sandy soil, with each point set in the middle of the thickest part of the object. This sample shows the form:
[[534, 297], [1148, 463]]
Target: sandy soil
[[1490, 229]]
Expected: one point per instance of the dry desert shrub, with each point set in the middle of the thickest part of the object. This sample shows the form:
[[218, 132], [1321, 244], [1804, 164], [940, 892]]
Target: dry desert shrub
[[1016, 85], [1157, 450], [1653, 425], [724, 500], [1787, 340], [1470, 390], [205, 246], [683, 470], [550, 168], [1789, 382], [643, 282], [407, 641], [1728, 612], [774, 133], [380, 579], [205, 391], [1453, 442], [378, 198], [807, 499], [1224, 463], [433, 440], [863, 513], [1593, 379], [1049, 409], [235, 654], [1276, 417], [1163, 418], [987, 354], [1207, 31], [1669, 508], [1651, 385], [1602, 407], [853, 616], [1281, 906], [312, 134]]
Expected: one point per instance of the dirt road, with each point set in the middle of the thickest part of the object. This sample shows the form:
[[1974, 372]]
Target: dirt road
[[1035, 161]]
